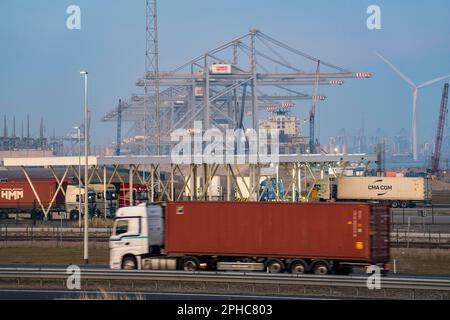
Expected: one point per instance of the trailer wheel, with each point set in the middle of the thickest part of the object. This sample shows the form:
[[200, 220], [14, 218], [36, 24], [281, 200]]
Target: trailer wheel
[[395, 204], [275, 266], [74, 215], [321, 268], [190, 264], [129, 263], [404, 204], [298, 267]]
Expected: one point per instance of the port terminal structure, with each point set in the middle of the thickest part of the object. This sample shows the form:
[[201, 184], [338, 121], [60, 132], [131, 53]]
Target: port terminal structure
[[226, 88], [169, 181]]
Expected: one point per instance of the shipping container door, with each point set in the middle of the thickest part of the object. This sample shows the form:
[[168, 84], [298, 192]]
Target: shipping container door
[[379, 233]]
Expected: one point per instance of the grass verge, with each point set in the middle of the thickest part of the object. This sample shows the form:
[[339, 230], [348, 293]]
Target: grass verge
[[421, 261], [53, 255]]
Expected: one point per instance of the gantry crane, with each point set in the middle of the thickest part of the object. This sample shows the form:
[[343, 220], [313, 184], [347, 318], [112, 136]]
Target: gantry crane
[[119, 128], [436, 157], [193, 92]]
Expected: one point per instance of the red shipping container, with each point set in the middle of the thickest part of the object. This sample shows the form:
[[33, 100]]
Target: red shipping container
[[391, 174], [19, 194], [337, 231]]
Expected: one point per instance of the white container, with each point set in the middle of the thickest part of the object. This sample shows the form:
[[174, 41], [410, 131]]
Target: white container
[[381, 188]]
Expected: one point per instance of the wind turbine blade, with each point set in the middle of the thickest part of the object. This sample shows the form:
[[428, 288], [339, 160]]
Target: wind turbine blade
[[428, 83], [398, 72]]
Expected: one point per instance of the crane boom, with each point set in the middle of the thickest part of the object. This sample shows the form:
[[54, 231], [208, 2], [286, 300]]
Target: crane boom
[[440, 131], [119, 128], [312, 113]]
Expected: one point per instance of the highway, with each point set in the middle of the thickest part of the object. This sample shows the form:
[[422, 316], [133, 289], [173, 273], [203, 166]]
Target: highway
[[217, 284], [105, 268], [43, 294]]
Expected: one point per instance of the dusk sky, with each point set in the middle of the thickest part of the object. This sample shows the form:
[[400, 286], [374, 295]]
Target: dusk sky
[[41, 58]]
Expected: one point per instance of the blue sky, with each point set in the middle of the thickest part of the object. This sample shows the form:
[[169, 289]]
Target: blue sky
[[41, 58]]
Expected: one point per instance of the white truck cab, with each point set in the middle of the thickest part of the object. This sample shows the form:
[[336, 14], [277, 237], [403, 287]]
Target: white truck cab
[[72, 201], [138, 234]]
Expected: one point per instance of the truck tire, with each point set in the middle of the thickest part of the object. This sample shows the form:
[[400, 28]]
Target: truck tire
[[129, 263], [298, 267], [190, 264], [321, 268], [404, 204], [275, 266], [395, 204], [3, 216], [74, 215]]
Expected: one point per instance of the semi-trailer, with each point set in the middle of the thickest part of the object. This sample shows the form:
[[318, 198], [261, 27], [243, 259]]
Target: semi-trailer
[[398, 192], [19, 199], [401, 192], [317, 238]]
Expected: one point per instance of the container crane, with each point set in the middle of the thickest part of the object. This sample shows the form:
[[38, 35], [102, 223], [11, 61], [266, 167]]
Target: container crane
[[119, 128], [436, 157], [312, 113]]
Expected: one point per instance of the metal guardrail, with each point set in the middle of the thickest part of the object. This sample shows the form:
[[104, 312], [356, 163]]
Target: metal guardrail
[[414, 284]]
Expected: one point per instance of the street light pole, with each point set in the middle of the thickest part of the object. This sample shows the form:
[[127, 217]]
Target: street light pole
[[79, 175], [86, 178]]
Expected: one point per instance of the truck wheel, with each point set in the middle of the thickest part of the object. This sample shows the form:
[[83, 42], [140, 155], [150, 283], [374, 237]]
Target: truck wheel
[[129, 263], [74, 215], [395, 204], [321, 268], [3, 215], [298, 267], [190, 264], [275, 266], [404, 204]]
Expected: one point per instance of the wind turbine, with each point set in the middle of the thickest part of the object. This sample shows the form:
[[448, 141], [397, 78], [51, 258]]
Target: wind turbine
[[415, 89]]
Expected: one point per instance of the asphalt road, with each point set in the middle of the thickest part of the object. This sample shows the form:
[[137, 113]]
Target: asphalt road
[[40, 294], [106, 267]]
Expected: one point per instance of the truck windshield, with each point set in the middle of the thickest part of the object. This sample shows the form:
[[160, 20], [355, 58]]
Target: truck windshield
[[91, 197], [121, 227], [140, 195]]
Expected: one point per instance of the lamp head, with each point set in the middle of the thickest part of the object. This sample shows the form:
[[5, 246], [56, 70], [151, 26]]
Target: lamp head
[[83, 72]]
